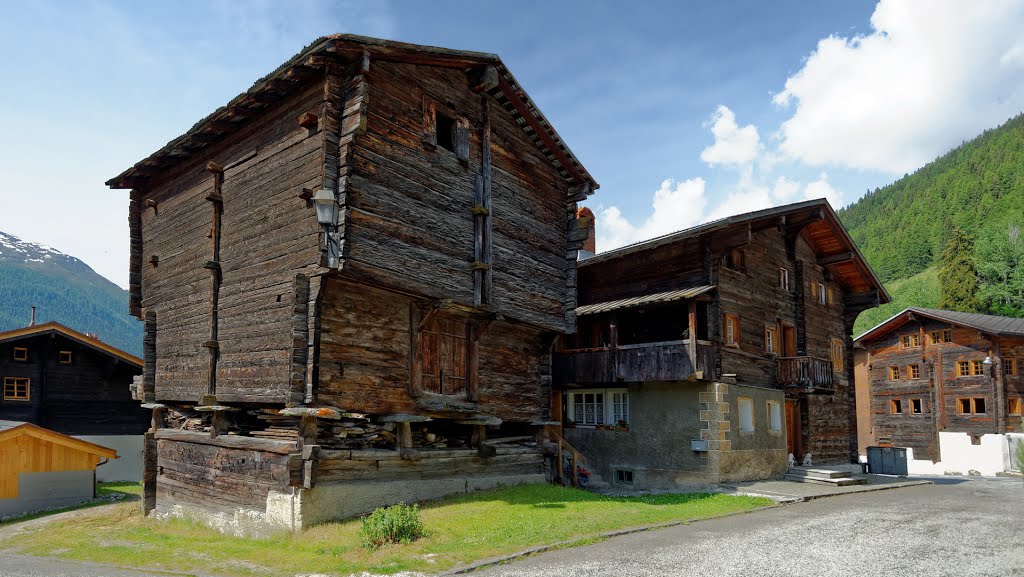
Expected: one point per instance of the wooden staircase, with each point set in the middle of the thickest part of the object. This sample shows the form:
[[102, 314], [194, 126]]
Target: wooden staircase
[[570, 461], [823, 476]]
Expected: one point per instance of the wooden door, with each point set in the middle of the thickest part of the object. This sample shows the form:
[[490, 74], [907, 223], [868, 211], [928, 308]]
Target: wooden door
[[794, 440], [788, 340]]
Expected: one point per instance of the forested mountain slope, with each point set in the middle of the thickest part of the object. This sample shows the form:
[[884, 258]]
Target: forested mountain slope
[[63, 289], [903, 228]]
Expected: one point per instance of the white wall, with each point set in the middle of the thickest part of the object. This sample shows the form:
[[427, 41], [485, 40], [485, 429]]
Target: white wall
[[961, 457], [128, 465]]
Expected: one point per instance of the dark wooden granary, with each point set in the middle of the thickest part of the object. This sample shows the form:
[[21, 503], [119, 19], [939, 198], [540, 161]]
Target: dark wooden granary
[[347, 271], [735, 335], [930, 371]]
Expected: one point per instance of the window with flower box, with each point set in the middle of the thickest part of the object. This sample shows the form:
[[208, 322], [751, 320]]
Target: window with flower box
[[599, 408]]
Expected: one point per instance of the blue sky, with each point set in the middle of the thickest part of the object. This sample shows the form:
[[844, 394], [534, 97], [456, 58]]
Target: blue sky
[[683, 111]]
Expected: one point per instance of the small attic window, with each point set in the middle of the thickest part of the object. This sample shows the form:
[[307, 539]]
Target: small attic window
[[64, 357], [21, 354], [445, 126]]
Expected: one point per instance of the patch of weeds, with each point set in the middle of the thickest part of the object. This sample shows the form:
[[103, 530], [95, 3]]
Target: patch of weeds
[[395, 524]]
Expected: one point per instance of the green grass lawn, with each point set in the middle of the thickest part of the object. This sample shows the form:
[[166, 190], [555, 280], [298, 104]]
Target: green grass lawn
[[460, 530], [106, 493]]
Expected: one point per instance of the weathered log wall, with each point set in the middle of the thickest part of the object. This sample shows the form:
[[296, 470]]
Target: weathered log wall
[[666, 268], [410, 204], [267, 234], [382, 465], [221, 474], [365, 358]]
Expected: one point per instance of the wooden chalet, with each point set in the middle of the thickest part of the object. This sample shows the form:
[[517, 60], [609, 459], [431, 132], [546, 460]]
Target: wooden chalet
[[928, 371], [711, 353], [72, 383], [348, 275]]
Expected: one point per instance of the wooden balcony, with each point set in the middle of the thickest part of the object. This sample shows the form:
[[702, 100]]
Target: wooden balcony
[[663, 361], [806, 374]]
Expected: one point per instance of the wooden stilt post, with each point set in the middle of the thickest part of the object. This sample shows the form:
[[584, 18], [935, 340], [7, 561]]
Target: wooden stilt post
[[149, 470]]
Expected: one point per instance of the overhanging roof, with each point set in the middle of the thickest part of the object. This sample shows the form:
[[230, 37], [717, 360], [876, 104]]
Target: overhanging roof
[[657, 298], [72, 334], [845, 259], [991, 324], [38, 432], [309, 64]]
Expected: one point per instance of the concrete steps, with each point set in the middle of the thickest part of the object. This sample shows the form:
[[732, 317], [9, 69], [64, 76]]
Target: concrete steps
[[822, 476]]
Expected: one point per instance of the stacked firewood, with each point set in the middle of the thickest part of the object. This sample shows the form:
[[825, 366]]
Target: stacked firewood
[[186, 419], [355, 431]]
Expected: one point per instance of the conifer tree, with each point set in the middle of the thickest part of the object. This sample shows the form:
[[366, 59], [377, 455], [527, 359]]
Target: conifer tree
[[958, 277]]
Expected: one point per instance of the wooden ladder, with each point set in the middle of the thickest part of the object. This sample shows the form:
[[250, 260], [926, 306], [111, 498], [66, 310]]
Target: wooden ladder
[[562, 448]]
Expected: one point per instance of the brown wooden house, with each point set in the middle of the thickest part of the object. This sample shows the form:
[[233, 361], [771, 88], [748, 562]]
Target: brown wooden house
[[69, 382], [930, 370], [709, 354], [347, 274]]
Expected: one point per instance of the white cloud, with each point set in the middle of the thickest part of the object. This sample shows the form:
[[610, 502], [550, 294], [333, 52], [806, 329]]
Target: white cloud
[[734, 145], [675, 206], [680, 205], [932, 73], [821, 188]]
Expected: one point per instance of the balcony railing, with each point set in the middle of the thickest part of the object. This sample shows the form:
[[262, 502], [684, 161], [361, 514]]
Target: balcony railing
[[807, 373], [662, 361]]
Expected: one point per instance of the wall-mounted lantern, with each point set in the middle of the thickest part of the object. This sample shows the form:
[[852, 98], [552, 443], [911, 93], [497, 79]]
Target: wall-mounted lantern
[[327, 215], [326, 207]]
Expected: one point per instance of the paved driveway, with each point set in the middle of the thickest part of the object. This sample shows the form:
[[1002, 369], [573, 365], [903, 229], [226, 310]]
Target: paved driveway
[[957, 527]]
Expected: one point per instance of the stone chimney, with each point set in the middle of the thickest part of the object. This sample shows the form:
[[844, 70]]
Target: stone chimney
[[590, 244]]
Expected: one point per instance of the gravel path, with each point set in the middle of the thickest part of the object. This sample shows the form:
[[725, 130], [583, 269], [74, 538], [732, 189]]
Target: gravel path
[[957, 527]]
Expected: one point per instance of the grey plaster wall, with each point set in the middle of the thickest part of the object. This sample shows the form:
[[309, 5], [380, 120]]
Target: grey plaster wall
[[665, 419], [300, 508], [39, 491], [758, 454], [128, 465]]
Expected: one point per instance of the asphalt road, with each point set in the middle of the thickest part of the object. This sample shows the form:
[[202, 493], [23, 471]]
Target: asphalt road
[[956, 527]]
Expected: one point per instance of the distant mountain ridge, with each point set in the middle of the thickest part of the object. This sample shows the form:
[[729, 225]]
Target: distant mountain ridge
[[903, 228], [65, 290]]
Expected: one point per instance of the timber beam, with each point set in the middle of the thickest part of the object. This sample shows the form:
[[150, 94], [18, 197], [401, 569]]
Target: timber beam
[[862, 301], [518, 103], [835, 258]]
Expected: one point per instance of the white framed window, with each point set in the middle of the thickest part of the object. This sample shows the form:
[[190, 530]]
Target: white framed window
[[774, 416], [822, 294], [771, 339], [784, 278], [746, 411], [620, 408], [592, 407]]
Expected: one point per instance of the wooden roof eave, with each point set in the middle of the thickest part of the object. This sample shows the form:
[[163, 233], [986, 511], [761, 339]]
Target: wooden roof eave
[[303, 65], [57, 438], [74, 335]]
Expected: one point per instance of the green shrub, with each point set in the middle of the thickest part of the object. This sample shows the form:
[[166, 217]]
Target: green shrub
[[395, 524]]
